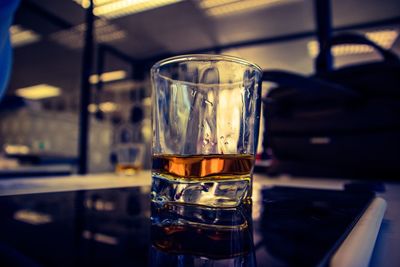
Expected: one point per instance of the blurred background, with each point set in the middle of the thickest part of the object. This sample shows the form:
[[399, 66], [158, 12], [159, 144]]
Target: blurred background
[[41, 125]]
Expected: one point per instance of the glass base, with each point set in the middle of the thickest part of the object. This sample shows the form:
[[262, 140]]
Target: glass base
[[220, 193]]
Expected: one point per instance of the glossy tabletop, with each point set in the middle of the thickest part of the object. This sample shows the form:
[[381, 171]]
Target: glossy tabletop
[[117, 226]]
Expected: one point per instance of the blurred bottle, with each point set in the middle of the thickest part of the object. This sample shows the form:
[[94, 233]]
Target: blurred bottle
[[127, 155]]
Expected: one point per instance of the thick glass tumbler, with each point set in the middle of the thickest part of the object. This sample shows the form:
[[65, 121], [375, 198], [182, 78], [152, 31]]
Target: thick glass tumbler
[[206, 111]]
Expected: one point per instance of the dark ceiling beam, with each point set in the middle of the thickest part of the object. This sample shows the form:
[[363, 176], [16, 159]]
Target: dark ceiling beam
[[278, 39], [87, 60], [323, 23]]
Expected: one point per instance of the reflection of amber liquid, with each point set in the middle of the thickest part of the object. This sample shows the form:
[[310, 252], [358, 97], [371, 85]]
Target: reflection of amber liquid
[[201, 231], [203, 167], [210, 241], [127, 168]]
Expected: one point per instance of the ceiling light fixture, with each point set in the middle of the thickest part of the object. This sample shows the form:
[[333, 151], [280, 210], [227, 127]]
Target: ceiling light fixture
[[384, 38], [39, 91], [21, 36], [218, 8], [108, 76], [119, 8], [86, 3], [16, 149], [32, 217], [106, 107], [99, 237]]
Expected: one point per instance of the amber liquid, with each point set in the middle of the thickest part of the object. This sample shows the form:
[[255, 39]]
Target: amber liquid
[[203, 167], [209, 180]]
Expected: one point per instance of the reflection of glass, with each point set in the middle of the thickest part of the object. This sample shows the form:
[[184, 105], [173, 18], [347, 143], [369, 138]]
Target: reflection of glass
[[205, 122], [128, 153], [201, 236], [129, 158]]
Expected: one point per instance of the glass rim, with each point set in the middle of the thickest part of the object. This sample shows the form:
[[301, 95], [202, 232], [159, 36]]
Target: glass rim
[[202, 57]]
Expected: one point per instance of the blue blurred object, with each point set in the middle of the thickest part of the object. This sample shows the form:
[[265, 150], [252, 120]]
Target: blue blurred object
[[7, 9]]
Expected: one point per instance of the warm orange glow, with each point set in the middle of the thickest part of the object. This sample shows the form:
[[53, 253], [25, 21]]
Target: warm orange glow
[[200, 166], [39, 91], [21, 36], [118, 8]]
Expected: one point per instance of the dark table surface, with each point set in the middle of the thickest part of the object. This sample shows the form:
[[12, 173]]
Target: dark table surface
[[119, 227]]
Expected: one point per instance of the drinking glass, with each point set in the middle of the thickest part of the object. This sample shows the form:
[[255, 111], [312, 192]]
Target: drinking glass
[[129, 158], [206, 111]]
